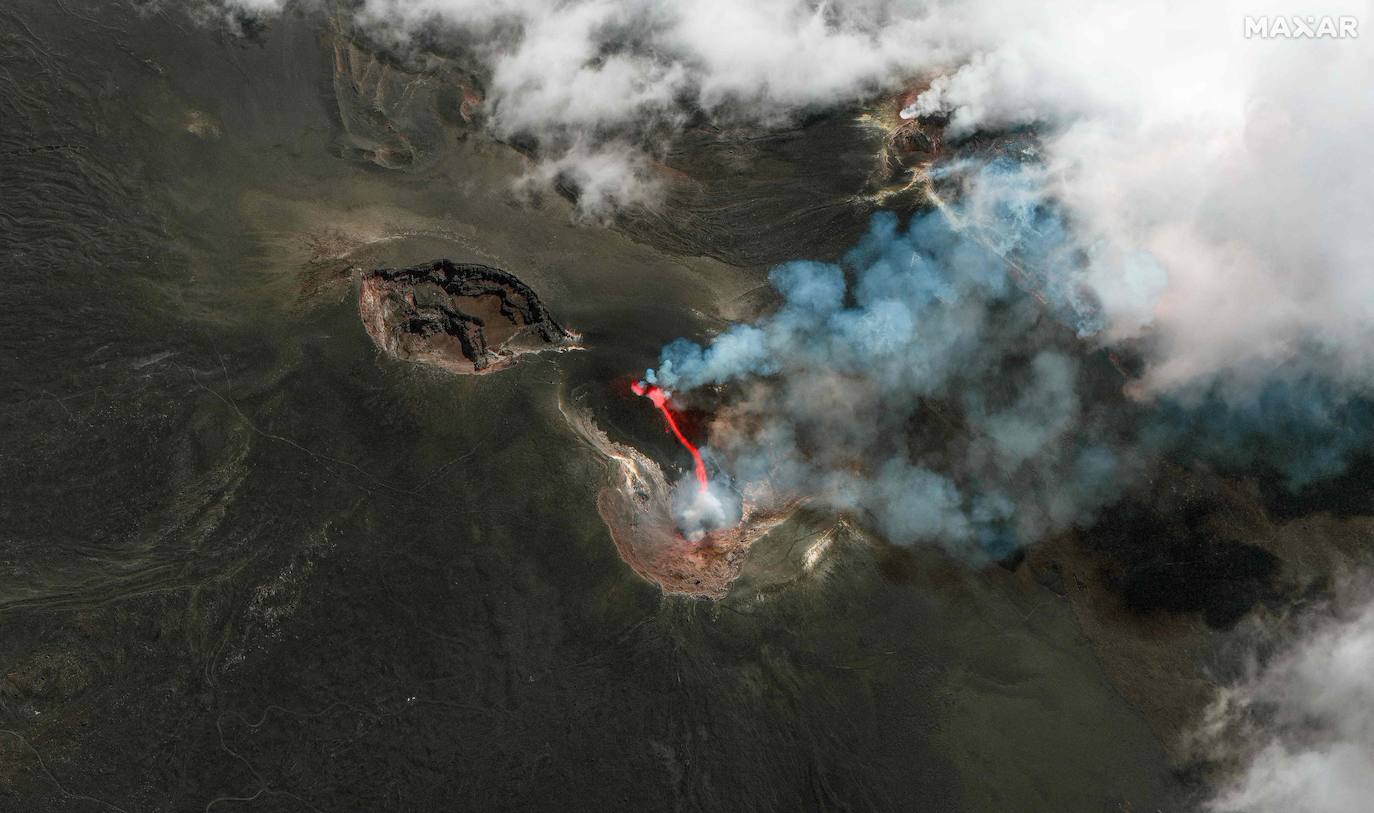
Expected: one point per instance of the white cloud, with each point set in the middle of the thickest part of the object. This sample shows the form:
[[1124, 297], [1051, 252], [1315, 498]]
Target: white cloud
[[600, 63], [606, 177], [1235, 166], [1304, 725]]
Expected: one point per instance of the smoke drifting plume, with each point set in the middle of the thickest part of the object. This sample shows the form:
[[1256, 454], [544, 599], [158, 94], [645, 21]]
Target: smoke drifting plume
[[916, 385], [948, 382]]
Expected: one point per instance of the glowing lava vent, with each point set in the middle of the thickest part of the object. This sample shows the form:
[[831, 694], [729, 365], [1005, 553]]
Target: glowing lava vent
[[660, 398]]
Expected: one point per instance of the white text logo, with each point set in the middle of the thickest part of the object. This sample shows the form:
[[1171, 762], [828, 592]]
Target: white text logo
[[1298, 28]]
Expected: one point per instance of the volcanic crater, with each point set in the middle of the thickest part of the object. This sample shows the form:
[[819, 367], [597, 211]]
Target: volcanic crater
[[465, 318]]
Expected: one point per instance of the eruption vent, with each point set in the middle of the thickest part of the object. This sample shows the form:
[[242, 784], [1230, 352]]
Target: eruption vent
[[660, 398]]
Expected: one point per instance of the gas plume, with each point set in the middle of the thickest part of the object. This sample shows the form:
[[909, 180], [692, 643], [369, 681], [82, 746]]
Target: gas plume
[[916, 385]]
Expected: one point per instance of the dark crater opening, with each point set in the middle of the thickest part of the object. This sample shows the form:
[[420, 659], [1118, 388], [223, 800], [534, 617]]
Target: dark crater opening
[[463, 317]]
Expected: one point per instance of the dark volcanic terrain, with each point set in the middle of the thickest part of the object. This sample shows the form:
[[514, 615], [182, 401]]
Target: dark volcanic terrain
[[247, 562]]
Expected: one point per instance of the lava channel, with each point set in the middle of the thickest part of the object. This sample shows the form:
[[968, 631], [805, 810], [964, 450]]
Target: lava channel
[[660, 399]]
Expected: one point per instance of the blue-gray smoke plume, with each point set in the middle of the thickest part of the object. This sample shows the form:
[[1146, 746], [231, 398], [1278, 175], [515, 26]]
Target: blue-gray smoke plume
[[1297, 424], [935, 383], [915, 385]]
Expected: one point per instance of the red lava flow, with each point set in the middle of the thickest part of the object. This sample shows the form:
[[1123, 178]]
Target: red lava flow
[[660, 398]]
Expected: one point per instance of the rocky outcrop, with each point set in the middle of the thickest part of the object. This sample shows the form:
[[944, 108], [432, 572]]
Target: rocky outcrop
[[462, 317], [636, 507]]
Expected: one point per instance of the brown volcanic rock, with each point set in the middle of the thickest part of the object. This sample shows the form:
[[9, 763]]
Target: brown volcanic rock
[[635, 505], [462, 317]]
